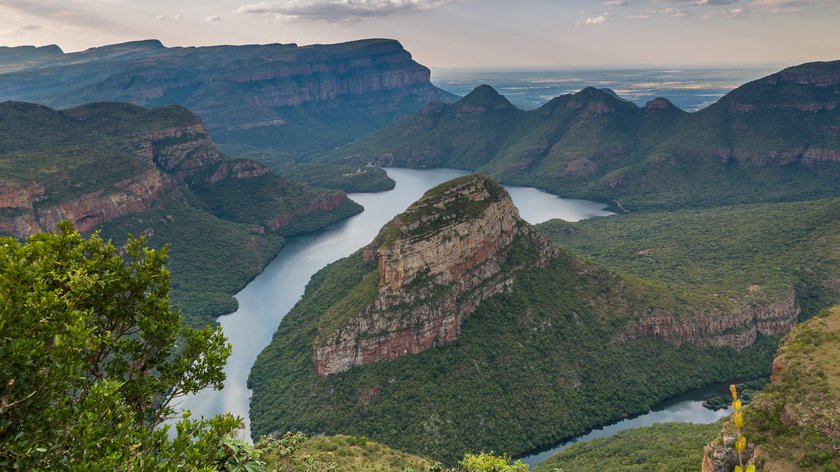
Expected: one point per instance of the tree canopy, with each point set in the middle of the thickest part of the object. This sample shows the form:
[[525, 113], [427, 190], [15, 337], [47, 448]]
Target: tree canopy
[[92, 358]]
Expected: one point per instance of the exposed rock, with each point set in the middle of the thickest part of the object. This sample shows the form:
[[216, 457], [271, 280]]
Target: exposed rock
[[92, 209], [182, 151], [240, 169], [329, 203], [737, 328], [719, 457], [436, 263]]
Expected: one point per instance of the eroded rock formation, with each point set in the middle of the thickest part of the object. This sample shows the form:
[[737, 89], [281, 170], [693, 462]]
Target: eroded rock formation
[[436, 263]]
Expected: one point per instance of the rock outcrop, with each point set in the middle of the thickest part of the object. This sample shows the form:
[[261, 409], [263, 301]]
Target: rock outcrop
[[98, 162], [435, 264], [737, 328], [794, 424]]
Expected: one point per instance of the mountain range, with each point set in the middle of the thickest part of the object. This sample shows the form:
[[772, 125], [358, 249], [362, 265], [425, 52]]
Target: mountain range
[[276, 101], [773, 139]]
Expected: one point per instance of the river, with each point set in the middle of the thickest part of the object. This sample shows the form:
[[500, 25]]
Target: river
[[685, 408], [267, 299]]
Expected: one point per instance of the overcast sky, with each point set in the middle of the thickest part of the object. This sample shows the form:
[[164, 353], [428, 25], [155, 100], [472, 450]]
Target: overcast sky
[[459, 33]]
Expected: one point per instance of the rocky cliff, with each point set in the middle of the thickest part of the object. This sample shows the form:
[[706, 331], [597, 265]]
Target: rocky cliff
[[275, 95], [148, 151], [737, 327], [125, 169], [436, 262]]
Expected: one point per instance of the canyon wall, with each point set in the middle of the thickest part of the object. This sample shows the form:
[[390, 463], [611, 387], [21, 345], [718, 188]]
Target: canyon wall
[[436, 263]]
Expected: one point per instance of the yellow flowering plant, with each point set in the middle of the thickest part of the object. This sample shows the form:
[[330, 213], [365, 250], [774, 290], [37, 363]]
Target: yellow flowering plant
[[741, 441]]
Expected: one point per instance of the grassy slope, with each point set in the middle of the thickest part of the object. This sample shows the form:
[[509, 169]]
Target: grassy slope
[[349, 454], [529, 368], [665, 447], [795, 420], [720, 251]]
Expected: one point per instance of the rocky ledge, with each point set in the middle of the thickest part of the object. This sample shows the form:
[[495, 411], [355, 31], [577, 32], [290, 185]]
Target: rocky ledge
[[436, 262], [737, 327]]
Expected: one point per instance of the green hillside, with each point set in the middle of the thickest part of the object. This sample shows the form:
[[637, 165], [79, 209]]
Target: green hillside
[[123, 169], [548, 360], [720, 252], [771, 140], [664, 447]]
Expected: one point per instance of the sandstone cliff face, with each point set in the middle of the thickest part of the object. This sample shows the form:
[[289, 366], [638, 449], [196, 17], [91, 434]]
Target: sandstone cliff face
[[89, 210], [737, 328], [182, 151], [436, 263]]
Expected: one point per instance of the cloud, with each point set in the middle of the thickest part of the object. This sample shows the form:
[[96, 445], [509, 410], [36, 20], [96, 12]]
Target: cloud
[[11, 32], [341, 11], [615, 3], [31, 27], [785, 7], [594, 20], [732, 14], [637, 17], [713, 2], [179, 17], [160, 17], [214, 18]]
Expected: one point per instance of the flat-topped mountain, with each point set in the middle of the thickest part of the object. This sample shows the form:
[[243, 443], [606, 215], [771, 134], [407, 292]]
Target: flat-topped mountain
[[495, 337], [280, 96], [774, 139], [122, 168]]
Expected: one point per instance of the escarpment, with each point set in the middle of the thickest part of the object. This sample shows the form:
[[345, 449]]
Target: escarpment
[[737, 327], [435, 263], [277, 96], [99, 162], [792, 424]]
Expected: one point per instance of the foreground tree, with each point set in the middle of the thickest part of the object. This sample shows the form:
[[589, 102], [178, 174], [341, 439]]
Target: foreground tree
[[92, 358]]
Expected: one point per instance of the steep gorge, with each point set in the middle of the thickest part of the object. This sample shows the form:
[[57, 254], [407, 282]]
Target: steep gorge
[[498, 339]]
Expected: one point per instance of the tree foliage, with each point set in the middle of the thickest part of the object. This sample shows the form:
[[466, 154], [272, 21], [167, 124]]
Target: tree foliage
[[92, 358]]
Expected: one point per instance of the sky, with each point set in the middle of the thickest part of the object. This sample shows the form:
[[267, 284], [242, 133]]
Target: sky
[[459, 33]]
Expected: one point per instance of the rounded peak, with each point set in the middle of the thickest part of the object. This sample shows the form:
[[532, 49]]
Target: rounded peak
[[659, 103], [482, 92], [484, 97], [592, 92]]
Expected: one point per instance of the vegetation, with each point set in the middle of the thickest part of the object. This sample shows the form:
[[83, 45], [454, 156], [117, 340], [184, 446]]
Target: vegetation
[[217, 229], [720, 252], [201, 245], [748, 147], [794, 421], [664, 447], [93, 358], [493, 388], [746, 392], [339, 454], [345, 177]]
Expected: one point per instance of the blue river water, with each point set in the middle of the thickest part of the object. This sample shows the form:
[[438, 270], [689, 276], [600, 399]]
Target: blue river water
[[267, 299]]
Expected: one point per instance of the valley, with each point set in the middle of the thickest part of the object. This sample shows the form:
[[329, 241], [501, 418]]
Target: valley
[[317, 203]]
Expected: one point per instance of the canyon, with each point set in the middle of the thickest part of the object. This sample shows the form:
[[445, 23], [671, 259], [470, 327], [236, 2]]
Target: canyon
[[273, 96]]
